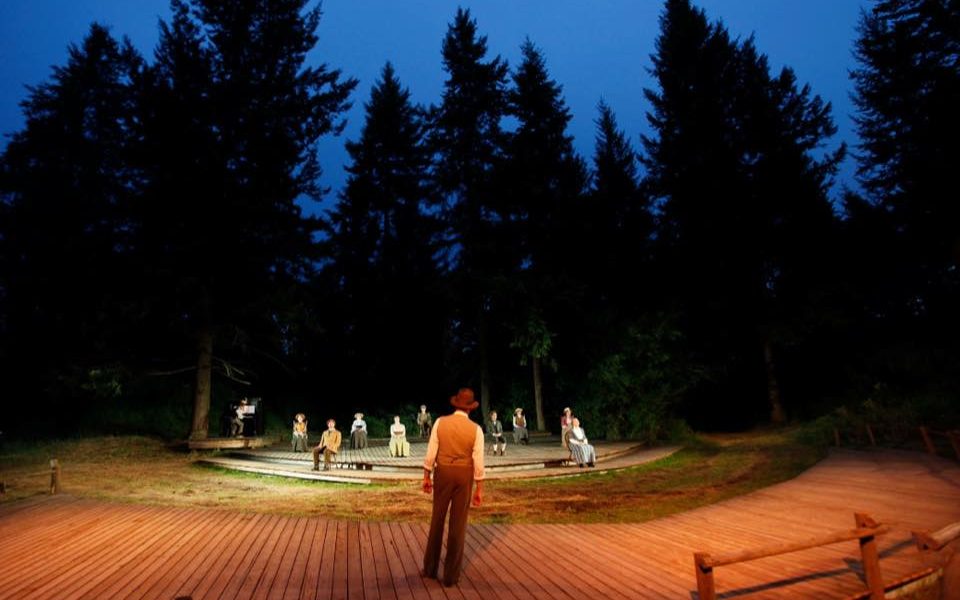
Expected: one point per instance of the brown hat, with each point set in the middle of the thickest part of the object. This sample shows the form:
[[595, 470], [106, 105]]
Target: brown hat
[[464, 400]]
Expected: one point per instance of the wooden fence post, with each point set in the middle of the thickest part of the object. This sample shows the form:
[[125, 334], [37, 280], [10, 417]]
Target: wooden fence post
[[955, 441], [836, 437], [870, 557], [927, 441], [706, 589], [54, 476], [873, 441]]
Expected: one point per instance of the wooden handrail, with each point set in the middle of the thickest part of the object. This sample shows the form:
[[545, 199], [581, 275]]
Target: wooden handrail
[[866, 532], [926, 435], [732, 558], [938, 539]]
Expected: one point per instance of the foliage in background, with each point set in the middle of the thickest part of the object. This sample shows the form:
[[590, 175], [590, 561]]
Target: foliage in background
[[634, 392], [150, 204]]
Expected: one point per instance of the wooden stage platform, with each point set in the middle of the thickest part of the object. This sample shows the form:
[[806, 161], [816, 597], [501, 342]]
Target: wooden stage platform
[[64, 548]]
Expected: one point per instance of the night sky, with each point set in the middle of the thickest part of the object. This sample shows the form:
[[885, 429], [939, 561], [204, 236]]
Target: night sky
[[594, 48]]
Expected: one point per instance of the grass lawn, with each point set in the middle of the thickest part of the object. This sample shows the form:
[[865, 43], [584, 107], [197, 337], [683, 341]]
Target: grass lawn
[[144, 470]]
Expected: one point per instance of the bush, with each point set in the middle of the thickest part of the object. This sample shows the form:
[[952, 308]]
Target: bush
[[633, 392]]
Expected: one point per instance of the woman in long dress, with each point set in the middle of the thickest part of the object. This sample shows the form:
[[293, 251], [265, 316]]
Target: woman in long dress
[[358, 433], [399, 446], [299, 438], [580, 447]]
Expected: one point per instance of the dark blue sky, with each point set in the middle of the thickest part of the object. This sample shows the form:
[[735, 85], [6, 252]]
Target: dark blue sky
[[594, 48]]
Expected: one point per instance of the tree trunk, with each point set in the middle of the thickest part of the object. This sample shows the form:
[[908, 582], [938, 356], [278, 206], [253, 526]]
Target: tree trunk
[[484, 369], [201, 395], [538, 394], [777, 416]]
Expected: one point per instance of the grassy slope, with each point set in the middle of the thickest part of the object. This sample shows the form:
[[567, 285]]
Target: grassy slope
[[143, 470]]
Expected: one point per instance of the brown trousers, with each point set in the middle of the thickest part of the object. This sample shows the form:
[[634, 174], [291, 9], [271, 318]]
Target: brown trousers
[[328, 455], [452, 490]]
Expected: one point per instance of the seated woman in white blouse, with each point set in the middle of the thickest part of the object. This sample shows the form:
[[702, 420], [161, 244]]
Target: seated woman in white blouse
[[358, 433]]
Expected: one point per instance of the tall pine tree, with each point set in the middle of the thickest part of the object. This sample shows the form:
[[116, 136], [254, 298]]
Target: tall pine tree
[[543, 180], [907, 89], [67, 191], [233, 148], [733, 164], [384, 249], [467, 139]]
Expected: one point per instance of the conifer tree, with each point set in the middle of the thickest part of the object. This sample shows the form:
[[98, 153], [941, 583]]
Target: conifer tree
[[907, 90], [467, 139], [233, 147], [65, 222], [383, 249], [734, 163], [543, 180]]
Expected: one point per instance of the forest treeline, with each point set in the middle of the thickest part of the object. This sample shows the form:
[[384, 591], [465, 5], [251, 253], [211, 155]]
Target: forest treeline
[[156, 260]]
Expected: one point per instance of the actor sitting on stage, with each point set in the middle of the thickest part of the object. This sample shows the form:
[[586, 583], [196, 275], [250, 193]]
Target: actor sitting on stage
[[495, 430], [358, 433], [580, 448], [424, 421], [236, 425], [399, 446], [329, 445], [520, 433], [299, 437]]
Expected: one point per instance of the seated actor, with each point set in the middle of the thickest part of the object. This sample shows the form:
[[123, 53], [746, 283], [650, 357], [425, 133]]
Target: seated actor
[[358, 433], [236, 425], [520, 433], [495, 431], [298, 438], [580, 448], [329, 445], [399, 446]]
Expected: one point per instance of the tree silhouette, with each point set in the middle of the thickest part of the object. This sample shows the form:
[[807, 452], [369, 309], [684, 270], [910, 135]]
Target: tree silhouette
[[65, 227], [234, 126], [467, 139], [907, 89], [383, 248], [733, 166]]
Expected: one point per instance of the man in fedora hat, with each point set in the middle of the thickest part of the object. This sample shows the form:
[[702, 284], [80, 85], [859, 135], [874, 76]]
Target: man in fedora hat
[[455, 458]]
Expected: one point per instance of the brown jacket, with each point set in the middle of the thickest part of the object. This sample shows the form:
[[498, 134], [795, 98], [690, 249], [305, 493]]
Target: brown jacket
[[330, 440]]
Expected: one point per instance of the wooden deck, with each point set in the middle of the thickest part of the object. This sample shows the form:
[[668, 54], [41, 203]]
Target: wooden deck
[[65, 548]]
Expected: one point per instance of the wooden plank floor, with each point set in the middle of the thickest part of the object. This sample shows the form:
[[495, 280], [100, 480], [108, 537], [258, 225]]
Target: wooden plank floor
[[67, 548]]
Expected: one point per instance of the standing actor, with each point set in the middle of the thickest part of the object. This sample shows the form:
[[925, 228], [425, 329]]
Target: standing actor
[[455, 457], [329, 445]]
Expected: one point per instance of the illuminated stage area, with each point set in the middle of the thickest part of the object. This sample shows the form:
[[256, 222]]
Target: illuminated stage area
[[545, 457]]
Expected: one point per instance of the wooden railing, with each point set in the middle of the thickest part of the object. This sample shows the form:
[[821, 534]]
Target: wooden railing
[[865, 533], [927, 436], [938, 539]]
